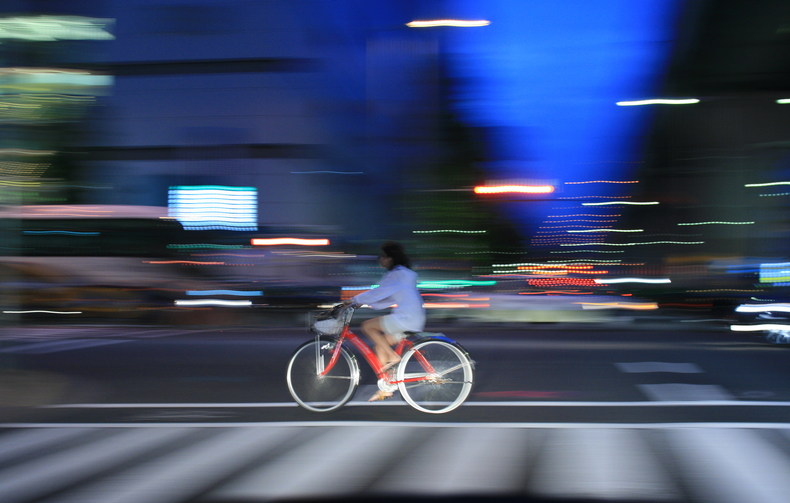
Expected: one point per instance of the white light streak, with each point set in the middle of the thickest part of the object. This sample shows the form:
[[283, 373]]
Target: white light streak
[[763, 308], [658, 101], [768, 184], [41, 311], [240, 293], [214, 302], [757, 328], [457, 23]]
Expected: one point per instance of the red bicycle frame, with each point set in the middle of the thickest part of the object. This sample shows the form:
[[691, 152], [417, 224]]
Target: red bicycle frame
[[373, 361]]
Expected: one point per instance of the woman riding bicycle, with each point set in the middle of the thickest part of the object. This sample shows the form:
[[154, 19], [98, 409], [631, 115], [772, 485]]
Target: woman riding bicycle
[[397, 287]]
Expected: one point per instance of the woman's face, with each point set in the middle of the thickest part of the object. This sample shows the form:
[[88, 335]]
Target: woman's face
[[385, 261]]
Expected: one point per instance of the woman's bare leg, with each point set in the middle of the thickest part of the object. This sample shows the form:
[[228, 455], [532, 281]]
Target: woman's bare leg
[[381, 341]]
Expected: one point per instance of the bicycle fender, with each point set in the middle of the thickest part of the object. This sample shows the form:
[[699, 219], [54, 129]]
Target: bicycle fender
[[424, 336]]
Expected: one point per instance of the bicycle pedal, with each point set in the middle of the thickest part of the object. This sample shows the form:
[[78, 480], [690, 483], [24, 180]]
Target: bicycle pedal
[[386, 386]]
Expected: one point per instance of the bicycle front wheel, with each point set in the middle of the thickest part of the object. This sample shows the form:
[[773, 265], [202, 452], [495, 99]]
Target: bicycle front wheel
[[435, 376], [316, 392]]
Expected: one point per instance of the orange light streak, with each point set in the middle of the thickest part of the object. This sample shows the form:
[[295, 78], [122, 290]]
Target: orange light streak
[[603, 305], [517, 189]]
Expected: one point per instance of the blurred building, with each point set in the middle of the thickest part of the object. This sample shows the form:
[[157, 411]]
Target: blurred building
[[348, 123]]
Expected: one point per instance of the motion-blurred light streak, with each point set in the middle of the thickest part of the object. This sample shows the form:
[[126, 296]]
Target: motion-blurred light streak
[[49, 28], [514, 189], [638, 244], [448, 231], [644, 306], [715, 222], [66, 233], [456, 23], [608, 230], [213, 302], [763, 308], [767, 184], [453, 283], [658, 101], [240, 293], [33, 311], [758, 328], [289, 241], [602, 181], [631, 203], [612, 281]]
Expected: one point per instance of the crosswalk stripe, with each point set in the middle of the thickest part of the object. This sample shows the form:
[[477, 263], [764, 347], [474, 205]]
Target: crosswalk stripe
[[19, 443], [259, 463], [731, 466], [338, 462], [183, 473], [612, 464], [51, 472], [462, 461]]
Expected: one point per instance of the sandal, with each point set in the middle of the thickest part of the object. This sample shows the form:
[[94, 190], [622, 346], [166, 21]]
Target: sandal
[[380, 395]]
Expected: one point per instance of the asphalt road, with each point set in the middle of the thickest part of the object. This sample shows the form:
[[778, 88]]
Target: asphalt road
[[526, 373], [589, 413]]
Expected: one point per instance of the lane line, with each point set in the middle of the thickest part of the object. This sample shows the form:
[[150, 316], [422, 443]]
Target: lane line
[[58, 346], [243, 405]]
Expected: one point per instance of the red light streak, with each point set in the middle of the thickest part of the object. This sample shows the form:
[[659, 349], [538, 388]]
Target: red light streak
[[189, 262], [288, 241]]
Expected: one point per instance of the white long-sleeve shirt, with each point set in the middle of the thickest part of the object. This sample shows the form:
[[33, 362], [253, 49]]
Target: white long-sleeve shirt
[[399, 287]]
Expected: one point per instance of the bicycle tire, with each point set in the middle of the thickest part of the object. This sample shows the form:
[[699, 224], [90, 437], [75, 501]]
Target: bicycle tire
[[444, 389], [322, 393]]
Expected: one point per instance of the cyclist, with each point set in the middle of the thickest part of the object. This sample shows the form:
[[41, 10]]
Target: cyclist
[[398, 288]]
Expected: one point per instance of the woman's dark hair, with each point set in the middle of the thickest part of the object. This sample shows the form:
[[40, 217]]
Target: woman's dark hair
[[395, 251]]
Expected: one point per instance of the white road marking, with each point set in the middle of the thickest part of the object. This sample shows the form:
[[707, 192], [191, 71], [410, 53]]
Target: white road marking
[[611, 464], [339, 462], [182, 473], [471, 460], [680, 391], [57, 346], [51, 472], [643, 367], [731, 466], [22, 442]]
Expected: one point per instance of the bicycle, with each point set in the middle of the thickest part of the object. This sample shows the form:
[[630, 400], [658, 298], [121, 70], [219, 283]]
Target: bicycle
[[435, 374]]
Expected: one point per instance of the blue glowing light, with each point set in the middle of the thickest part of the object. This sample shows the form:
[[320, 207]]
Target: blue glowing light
[[545, 78]]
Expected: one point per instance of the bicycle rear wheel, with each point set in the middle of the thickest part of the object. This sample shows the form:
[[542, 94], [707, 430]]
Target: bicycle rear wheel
[[435, 376], [322, 393]]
